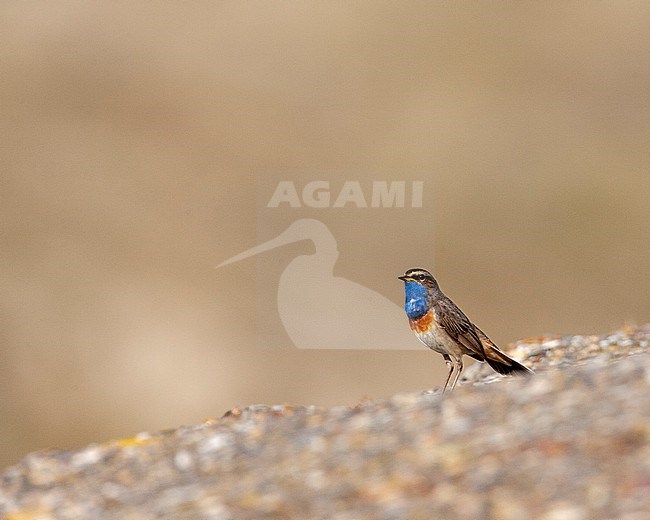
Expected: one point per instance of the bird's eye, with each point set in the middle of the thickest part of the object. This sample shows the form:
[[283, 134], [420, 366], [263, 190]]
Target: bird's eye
[[421, 277]]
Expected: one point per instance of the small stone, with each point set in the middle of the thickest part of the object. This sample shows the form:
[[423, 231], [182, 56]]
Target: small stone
[[565, 511], [183, 460]]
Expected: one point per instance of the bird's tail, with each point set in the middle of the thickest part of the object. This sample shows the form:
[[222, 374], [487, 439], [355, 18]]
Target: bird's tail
[[499, 361]]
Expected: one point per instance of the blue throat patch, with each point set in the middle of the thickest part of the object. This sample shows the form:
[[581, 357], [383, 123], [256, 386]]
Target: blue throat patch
[[416, 300]]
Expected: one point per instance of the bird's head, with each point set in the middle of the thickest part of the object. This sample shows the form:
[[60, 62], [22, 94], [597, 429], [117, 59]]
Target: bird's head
[[421, 277]]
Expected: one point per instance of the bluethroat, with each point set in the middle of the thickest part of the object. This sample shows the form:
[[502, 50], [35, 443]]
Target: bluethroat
[[444, 328]]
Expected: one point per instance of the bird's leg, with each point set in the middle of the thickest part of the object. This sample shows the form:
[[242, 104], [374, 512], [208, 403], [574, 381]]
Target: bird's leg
[[450, 366], [458, 366]]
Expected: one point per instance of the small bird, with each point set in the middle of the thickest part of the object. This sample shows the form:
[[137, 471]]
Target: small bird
[[444, 328]]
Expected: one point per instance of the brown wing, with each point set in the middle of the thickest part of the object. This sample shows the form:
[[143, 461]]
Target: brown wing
[[458, 326], [484, 338]]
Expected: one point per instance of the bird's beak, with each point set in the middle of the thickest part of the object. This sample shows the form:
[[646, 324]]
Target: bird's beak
[[404, 278], [281, 240]]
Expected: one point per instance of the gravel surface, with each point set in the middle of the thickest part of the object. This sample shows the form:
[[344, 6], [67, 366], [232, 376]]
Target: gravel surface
[[569, 443]]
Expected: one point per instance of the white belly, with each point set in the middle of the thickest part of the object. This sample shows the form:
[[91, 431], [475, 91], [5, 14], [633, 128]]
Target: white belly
[[439, 341]]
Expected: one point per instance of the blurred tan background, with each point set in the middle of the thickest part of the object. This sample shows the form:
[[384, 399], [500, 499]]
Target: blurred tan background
[[132, 135]]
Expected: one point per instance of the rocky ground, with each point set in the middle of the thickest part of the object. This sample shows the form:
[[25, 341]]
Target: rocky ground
[[569, 443]]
